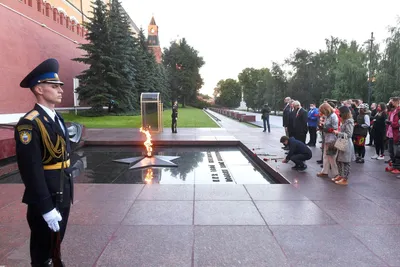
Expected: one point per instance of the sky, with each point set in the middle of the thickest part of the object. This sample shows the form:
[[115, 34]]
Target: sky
[[233, 35]]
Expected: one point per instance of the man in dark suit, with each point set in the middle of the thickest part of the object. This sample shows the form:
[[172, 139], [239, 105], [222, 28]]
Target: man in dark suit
[[43, 157], [300, 122], [285, 116], [292, 116], [298, 152]]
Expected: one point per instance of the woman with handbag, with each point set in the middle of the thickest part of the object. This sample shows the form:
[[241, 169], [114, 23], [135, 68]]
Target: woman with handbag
[[345, 146], [330, 152]]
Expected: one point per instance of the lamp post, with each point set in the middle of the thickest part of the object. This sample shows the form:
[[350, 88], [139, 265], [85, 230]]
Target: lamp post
[[309, 83], [370, 74]]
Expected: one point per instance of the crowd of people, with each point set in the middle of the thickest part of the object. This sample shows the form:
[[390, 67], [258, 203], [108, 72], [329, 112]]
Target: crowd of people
[[344, 127]]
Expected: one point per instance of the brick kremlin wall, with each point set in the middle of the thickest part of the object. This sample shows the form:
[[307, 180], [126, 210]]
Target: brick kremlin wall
[[25, 43]]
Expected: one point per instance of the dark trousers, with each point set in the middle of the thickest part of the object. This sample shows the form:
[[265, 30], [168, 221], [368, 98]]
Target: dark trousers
[[371, 136], [360, 151], [313, 135], [291, 132], [392, 149], [301, 137], [322, 150], [173, 125], [266, 123], [41, 234], [379, 143], [299, 159]]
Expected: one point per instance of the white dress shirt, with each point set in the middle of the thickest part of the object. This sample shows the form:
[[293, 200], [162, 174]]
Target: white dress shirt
[[52, 115]]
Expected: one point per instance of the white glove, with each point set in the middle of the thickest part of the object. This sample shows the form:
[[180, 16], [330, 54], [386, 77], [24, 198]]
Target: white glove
[[52, 218]]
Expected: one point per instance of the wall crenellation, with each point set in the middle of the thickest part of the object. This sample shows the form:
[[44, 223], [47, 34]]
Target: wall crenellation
[[58, 15]]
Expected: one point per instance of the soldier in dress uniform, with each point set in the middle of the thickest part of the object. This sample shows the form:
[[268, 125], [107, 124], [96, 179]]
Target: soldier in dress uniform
[[42, 150], [174, 116]]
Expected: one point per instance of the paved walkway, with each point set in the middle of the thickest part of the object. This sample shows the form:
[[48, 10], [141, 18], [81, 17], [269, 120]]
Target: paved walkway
[[311, 222], [274, 121]]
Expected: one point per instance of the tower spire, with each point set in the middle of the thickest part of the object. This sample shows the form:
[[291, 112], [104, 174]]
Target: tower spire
[[153, 42], [152, 22]]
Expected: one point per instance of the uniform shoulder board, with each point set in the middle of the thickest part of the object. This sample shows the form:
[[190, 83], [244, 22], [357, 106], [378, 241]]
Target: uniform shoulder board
[[31, 115]]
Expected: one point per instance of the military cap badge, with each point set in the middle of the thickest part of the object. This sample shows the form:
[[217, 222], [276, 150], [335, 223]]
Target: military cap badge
[[45, 72]]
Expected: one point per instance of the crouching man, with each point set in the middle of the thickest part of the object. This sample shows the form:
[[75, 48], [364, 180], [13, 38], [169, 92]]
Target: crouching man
[[298, 152]]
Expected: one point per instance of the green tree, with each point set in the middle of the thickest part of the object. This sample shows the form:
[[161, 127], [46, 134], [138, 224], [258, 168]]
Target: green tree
[[122, 77], [143, 74], [162, 84], [151, 76], [183, 64], [279, 86], [248, 80], [351, 72], [264, 89], [229, 93], [300, 84], [388, 74], [94, 87]]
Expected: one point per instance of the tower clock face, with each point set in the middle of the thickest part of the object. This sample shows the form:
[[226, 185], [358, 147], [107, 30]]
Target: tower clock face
[[152, 30]]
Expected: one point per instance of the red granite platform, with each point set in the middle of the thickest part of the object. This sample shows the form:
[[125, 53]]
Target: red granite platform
[[7, 143]]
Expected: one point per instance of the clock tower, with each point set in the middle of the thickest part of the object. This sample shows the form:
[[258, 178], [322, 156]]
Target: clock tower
[[153, 42]]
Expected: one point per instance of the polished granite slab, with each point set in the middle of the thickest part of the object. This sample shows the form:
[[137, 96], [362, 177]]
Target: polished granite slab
[[168, 165]]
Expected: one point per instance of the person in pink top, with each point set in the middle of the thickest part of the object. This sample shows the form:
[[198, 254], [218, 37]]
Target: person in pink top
[[392, 132]]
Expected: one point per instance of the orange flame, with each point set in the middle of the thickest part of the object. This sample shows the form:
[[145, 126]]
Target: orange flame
[[149, 176], [147, 143]]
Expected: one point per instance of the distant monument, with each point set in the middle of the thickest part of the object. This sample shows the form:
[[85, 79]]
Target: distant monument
[[242, 104]]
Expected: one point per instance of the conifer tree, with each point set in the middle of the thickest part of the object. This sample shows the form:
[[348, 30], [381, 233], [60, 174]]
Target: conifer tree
[[123, 62], [94, 88], [151, 76], [143, 73], [163, 85]]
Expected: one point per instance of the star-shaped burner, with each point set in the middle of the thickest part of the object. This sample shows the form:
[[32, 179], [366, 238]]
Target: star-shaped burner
[[153, 161], [149, 160]]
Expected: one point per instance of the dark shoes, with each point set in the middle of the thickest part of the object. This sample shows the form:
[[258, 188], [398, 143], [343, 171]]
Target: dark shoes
[[300, 167], [360, 160], [48, 263]]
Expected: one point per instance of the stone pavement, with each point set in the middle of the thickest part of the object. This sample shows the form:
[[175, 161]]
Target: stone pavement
[[310, 222], [274, 121]]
